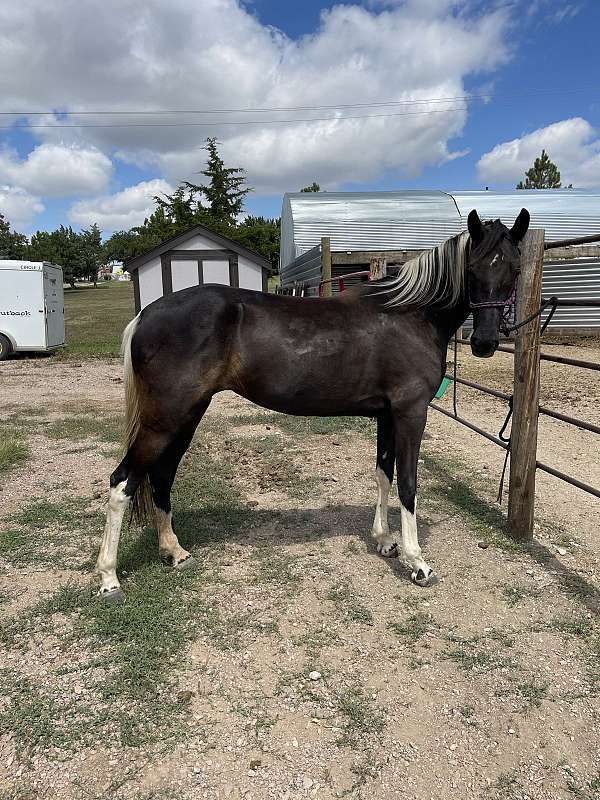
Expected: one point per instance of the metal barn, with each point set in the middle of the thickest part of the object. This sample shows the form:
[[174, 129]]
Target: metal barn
[[396, 224], [192, 258]]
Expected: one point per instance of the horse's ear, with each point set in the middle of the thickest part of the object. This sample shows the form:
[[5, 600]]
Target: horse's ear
[[475, 227], [519, 229]]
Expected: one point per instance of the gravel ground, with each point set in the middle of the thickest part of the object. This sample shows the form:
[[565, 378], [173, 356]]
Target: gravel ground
[[328, 674]]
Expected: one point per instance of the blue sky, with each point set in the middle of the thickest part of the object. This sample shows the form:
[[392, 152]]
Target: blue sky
[[537, 62]]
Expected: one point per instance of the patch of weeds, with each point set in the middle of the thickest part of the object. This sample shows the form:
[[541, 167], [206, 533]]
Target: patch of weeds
[[36, 720], [324, 425], [487, 520], [277, 467], [43, 513], [533, 693], [348, 604], [507, 786], [413, 628], [513, 595], [500, 636], [315, 640], [273, 567], [578, 626], [208, 508], [362, 718], [467, 713], [473, 658], [14, 450], [298, 426], [141, 638], [75, 428]]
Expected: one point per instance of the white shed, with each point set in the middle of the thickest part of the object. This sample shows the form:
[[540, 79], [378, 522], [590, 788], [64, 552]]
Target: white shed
[[192, 258]]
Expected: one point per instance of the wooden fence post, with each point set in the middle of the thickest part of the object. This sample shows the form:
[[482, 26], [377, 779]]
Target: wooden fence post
[[326, 266], [377, 269], [521, 495]]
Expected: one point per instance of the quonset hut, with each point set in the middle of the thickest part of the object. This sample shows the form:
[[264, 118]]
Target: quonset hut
[[363, 222]]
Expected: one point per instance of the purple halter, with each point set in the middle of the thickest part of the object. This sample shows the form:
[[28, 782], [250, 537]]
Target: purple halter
[[507, 306]]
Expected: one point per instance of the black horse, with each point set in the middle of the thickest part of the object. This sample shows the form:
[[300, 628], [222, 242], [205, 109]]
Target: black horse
[[378, 351]]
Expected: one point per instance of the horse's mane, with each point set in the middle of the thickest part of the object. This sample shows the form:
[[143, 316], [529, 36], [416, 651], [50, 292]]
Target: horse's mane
[[435, 276]]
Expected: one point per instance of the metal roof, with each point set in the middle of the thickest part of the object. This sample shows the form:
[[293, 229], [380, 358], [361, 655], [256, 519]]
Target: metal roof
[[423, 219], [366, 220], [563, 213]]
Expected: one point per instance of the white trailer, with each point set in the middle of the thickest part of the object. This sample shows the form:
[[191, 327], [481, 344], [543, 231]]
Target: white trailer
[[32, 307]]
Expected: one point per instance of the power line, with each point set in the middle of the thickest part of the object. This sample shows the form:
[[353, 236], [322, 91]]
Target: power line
[[231, 122], [467, 97]]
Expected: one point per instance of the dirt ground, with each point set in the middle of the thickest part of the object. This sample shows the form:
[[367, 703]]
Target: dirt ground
[[295, 662]]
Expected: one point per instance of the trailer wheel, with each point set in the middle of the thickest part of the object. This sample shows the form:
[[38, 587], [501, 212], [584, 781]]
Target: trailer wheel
[[5, 347]]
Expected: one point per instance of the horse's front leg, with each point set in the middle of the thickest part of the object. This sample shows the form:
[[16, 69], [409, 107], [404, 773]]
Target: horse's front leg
[[408, 432], [387, 544]]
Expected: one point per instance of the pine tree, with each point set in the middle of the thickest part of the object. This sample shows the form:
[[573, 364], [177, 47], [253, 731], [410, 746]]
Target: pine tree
[[314, 187], [544, 174], [226, 189]]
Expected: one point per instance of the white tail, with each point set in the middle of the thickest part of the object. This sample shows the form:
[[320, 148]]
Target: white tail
[[132, 409], [142, 499]]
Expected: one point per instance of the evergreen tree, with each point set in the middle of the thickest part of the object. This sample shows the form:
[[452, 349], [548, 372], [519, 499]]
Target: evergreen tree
[[544, 174], [314, 187], [260, 235], [12, 244], [226, 189]]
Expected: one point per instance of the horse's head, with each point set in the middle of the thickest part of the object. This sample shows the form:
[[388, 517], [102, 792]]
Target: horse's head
[[494, 264]]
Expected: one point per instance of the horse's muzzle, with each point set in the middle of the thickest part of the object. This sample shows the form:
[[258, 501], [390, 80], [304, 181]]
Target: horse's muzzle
[[483, 348]]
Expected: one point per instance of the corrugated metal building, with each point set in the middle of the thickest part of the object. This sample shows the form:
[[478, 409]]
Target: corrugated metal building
[[423, 219]]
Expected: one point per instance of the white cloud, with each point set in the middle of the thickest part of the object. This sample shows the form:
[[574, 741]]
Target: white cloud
[[216, 54], [119, 211], [55, 170], [18, 206], [572, 144]]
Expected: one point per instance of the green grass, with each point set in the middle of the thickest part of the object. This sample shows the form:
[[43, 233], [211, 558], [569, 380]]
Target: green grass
[[40, 514], [138, 642], [517, 593], [14, 450], [487, 521], [413, 628], [75, 428], [95, 319], [307, 425], [362, 718], [348, 604]]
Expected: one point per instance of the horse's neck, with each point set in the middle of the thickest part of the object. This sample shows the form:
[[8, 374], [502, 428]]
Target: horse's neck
[[449, 320]]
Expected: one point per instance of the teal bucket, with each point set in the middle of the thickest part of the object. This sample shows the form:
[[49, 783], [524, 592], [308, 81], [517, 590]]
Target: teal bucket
[[442, 390]]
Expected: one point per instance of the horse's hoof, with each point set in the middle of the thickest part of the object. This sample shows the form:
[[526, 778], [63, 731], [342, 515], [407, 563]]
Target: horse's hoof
[[113, 596], [188, 563], [388, 550], [423, 578]]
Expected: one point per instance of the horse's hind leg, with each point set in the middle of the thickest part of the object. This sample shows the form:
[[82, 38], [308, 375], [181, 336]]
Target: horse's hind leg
[[125, 480], [387, 544], [162, 474]]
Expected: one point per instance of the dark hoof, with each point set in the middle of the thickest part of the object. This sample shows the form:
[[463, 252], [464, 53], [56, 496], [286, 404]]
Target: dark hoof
[[187, 563], [114, 596], [423, 579], [388, 551]]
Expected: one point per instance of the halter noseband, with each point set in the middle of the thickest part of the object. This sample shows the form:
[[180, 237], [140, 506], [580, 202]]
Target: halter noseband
[[508, 307]]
